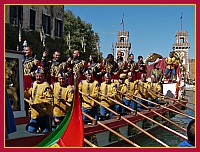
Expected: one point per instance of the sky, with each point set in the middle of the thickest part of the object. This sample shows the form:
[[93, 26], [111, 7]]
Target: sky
[[152, 28]]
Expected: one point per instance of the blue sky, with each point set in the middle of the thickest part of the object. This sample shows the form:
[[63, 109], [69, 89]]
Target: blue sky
[[152, 28]]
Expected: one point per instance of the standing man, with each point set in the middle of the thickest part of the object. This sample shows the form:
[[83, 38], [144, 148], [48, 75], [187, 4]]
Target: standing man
[[132, 65], [141, 67], [89, 87], [63, 93], [122, 65], [110, 66], [130, 88], [41, 96], [53, 66], [78, 66], [170, 66], [107, 89]]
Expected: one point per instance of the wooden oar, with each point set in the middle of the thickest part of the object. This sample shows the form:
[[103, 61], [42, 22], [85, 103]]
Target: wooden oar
[[108, 128], [123, 118], [36, 107], [113, 131], [167, 97], [183, 129], [89, 143], [165, 127], [183, 114]]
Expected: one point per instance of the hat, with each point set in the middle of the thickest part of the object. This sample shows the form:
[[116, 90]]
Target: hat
[[40, 70], [153, 75], [130, 74], [88, 71], [122, 76], [61, 74], [107, 75]]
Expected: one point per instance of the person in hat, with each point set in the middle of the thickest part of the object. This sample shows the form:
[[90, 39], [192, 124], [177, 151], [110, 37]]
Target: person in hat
[[107, 89], [142, 92], [130, 88], [119, 97], [132, 65], [158, 72], [63, 93], [154, 90], [170, 66], [30, 64], [41, 97], [122, 65], [89, 88]]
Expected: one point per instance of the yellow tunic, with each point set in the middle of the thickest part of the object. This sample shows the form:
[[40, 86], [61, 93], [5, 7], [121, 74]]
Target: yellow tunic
[[142, 89], [153, 88], [130, 88], [92, 89], [171, 62], [119, 86], [41, 95], [110, 90], [60, 108]]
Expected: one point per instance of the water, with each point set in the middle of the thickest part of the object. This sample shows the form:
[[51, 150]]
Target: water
[[165, 136]]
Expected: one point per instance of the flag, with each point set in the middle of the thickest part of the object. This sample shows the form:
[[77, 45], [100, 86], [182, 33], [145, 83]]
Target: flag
[[122, 22], [10, 120], [70, 132]]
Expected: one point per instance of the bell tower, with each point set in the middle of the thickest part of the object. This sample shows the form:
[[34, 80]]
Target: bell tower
[[182, 46], [123, 44]]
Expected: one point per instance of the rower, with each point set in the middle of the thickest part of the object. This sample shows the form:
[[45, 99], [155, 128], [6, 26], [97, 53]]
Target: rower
[[119, 97], [63, 93], [130, 88], [107, 89], [143, 91], [89, 87], [154, 90]]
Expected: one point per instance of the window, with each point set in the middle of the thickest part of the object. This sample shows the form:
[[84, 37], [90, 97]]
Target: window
[[16, 13], [58, 28], [32, 19], [182, 40], [46, 23]]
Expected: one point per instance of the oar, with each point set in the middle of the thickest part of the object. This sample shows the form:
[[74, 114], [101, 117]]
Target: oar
[[183, 129], [123, 118], [183, 114], [108, 128], [89, 143], [113, 131], [165, 127], [36, 107], [168, 97]]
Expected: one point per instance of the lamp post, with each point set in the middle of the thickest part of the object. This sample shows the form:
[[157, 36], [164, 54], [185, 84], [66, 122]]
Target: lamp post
[[83, 44], [68, 39]]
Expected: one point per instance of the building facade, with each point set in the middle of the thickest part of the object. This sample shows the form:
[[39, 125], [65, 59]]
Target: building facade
[[123, 44], [182, 46], [47, 18]]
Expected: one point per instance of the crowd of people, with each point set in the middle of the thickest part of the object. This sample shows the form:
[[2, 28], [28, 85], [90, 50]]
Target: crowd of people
[[49, 85]]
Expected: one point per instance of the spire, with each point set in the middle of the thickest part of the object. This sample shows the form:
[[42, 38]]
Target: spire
[[181, 18], [122, 23]]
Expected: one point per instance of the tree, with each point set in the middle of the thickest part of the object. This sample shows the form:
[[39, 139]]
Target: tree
[[80, 35]]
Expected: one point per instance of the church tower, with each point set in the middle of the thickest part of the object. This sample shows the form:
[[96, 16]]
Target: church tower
[[123, 44], [182, 46]]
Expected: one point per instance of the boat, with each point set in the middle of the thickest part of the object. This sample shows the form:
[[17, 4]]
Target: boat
[[109, 132]]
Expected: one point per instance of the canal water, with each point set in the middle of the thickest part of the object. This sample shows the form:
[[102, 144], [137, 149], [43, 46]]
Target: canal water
[[166, 136]]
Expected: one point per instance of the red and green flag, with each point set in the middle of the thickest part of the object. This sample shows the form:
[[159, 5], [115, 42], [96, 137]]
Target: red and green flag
[[70, 132]]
